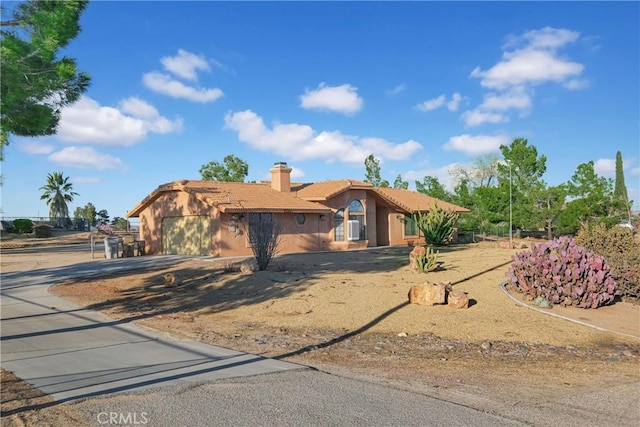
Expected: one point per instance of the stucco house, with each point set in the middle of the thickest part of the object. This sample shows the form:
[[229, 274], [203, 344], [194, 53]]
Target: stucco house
[[211, 217]]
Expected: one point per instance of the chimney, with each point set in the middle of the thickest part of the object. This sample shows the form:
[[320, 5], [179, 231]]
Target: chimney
[[281, 177]]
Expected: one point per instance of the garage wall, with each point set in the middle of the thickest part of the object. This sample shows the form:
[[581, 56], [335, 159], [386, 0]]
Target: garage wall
[[186, 235], [176, 204]]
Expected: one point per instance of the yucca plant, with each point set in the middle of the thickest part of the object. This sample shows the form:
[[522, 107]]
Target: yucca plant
[[428, 260], [437, 225]]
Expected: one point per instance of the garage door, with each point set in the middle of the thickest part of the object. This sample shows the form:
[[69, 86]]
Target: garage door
[[187, 235]]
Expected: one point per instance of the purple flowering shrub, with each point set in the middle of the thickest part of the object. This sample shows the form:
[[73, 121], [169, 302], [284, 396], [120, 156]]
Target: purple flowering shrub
[[564, 273]]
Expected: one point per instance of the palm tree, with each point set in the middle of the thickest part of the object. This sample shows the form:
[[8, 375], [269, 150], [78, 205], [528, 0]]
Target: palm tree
[[57, 192]]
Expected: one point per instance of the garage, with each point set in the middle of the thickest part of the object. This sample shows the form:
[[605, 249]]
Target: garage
[[187, 235]]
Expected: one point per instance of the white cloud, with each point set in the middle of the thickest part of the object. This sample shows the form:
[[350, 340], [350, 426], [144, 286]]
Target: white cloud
[[516, 98], [477, 117], [396, 90], [295, 173], [185, 64], [528, 66], [85, 157], [454, 103], [431, 104], [300, 142], [533, 60], [605, 167], [138, 108], [86, 180], [341, 99], [442, 173], [475, 145], [576, 84], [34, 147], [544, 38], [165, 85], [86, 121], [635, 172], [441, 101]]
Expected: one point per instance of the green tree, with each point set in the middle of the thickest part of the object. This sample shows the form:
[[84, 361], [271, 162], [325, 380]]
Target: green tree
[[620, 189], [35, 84], [58, 191], [549, 202], [400, 183], [522, 170], [102, 216], [591, 199], [232, 169], [372, 172], [87, 212], [431, 186], [120, 224]]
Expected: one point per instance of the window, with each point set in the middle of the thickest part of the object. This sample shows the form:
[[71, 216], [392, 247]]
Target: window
[[356, 213], [410, 227], [300, 218], [338, 225], [356, 206], [347, 217]]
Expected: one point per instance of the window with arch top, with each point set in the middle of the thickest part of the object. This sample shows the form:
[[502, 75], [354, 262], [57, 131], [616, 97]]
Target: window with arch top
[[354, 212]]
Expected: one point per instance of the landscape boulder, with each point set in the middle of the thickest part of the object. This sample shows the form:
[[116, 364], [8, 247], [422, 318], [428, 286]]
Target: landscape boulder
[[417, 252], [428, 293], [248, 266], [458, 300]]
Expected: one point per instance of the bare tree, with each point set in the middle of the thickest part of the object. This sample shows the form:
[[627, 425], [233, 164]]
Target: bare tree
[[264, 237], [482, 172]]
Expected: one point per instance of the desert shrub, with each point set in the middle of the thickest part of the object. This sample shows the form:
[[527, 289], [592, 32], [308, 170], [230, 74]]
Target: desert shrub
[[23, 225], [427, 261], [264, 237], [437, 225], [621, 250], [563, 272]]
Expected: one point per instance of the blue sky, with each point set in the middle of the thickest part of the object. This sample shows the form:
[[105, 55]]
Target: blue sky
[[423, 86]]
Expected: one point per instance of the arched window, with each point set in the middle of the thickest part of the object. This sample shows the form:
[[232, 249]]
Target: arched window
[[356, 213], [355, 206]]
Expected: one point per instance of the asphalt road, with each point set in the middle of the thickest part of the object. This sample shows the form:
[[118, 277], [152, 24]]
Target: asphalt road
[[124, 374]]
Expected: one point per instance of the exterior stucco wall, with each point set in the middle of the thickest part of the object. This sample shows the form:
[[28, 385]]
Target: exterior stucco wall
[[311, 235], [173, 204]]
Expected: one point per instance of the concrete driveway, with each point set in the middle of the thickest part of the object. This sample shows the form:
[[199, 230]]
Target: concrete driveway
[[72, 353], [108, 367]]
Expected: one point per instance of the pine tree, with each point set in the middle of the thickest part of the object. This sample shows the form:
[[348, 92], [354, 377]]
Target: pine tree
[[620, 191]]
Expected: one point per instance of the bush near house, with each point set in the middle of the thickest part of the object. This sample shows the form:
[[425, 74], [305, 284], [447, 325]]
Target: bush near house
[[562, 272], [621, 250], [22, 226], [437, 225]]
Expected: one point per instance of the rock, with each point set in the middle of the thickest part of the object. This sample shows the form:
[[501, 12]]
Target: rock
[[486, 346], [543, 302], [504, 244], [402, 334], [427, 293], [248, 266], [171, 280], [458, 300], [417, 252]]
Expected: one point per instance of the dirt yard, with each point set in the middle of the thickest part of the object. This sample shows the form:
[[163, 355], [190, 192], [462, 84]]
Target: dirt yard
[[348, 313]]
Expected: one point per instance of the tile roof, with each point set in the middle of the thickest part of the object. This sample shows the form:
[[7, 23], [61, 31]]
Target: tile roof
[[235, 197], [325, 190], [241, 197], [412, 201]]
